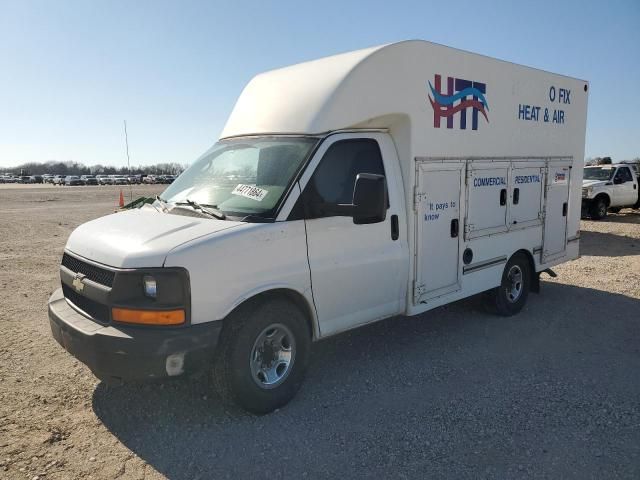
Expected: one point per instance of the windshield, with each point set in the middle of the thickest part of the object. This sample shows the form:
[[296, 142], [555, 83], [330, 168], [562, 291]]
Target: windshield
[[241, 177], [598, 173]]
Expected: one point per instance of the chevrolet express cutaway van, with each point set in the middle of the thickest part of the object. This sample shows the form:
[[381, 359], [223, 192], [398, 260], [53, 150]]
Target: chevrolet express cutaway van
[[381, 182]]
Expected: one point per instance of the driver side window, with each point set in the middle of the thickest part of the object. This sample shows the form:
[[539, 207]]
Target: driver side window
[[624, 175], [334, 179]]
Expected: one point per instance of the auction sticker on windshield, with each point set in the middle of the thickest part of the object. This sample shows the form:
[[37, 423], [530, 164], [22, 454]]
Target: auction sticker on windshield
[[250, 191]]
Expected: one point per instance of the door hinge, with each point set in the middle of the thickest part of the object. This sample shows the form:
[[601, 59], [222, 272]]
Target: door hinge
[[418, 291]]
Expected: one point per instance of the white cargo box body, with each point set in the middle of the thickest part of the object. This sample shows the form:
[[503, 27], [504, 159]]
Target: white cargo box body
[[491, 153]]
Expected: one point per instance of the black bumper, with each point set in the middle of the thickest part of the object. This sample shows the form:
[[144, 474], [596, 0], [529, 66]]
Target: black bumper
[[118, 354]]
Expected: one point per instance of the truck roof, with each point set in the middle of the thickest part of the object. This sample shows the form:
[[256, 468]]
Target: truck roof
[[368, 88]]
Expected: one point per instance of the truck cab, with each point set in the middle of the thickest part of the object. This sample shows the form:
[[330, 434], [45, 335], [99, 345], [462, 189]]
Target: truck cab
[[340, 193], [609, 188]]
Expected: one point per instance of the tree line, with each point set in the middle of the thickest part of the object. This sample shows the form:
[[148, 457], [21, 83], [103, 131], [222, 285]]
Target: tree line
[[77, 168], [608, 161]]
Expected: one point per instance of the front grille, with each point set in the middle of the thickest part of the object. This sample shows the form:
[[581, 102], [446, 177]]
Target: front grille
[[93, 273], [96, 310]]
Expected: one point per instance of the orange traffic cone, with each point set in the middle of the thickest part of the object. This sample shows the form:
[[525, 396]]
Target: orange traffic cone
[[121, 200]]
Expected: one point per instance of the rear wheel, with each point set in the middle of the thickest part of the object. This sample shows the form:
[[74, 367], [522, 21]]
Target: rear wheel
[[598, 209], [510, 297], [262, 355]]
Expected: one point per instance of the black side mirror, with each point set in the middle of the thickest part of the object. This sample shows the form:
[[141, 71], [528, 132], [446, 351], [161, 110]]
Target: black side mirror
[[369, 202], [369, 199]]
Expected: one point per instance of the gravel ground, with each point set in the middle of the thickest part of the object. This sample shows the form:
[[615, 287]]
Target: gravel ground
[[454, 393]]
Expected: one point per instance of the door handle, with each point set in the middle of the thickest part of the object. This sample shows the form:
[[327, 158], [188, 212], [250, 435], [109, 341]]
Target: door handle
[[516, 196], [455, 227], [503, 197], [564, 209], [395, 228]]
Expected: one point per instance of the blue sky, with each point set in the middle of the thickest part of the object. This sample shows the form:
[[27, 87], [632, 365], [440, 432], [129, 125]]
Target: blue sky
[[71, 71]]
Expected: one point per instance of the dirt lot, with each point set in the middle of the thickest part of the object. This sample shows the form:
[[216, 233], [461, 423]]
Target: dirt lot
[[456, 393]]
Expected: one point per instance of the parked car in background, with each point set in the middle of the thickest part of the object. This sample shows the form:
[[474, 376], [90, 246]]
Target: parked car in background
[[73, 180], [59, 179], [47, 178], [609, 188], [104, 180], [24, 179], [89, 180], [119, 180], [150, 179], [35, 179]]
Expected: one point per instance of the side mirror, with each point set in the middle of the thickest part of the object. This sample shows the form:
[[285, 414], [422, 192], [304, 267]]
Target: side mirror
[[618, 181], [369, 199]]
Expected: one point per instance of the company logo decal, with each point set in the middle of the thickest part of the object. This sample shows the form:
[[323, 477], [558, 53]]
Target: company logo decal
[[560, 177], [458, 90], [77, 283]]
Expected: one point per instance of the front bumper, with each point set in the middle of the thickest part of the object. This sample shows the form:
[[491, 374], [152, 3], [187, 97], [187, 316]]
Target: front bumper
[[118, 354]]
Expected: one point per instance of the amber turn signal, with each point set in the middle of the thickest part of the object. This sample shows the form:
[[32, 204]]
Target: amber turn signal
[[148, 317]]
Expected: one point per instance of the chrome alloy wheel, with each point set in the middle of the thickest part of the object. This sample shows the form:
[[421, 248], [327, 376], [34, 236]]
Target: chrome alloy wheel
[[515, 283], [272, 356]]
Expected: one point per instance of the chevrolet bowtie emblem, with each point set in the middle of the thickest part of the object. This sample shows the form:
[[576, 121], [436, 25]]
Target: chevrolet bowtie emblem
[[77, 282]]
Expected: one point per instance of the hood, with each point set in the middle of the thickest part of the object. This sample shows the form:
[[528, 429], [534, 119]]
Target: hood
[[139, 238], [594, 183]]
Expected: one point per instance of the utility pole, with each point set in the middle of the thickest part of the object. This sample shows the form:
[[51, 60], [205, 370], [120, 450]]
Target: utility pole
[[126, 141]]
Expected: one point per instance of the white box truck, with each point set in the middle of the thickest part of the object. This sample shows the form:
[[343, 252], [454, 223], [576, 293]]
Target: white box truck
[[381, 182]]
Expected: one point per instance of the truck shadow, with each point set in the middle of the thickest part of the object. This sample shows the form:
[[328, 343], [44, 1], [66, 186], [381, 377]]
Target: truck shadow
[[398, 393], [601, 244], [626, 215]]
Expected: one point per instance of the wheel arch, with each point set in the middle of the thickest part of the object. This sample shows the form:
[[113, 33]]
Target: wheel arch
[[535, 277], [605, 196], [287, 294]]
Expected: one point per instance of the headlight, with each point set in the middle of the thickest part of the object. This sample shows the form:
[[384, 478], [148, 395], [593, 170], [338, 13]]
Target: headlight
[[150, 289], [151, 296]]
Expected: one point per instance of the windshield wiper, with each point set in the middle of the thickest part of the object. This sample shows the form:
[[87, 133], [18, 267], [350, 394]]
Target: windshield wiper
[[210, 210], [163, 203]]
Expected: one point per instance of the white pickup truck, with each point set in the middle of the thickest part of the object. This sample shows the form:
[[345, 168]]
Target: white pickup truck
[[609, 188], [381, 182]]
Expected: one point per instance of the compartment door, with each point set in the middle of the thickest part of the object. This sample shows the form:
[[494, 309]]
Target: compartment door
[[438, 229], [487, 192], [555, 211], [526, 194]]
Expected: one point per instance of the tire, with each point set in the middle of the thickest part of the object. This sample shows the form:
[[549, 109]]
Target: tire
[[615, 209], [257, 330], [511, 296], [598, 209]]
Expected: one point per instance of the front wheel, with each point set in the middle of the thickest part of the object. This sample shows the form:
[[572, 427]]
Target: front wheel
[[510, 297], [598, 209], [262, 355]]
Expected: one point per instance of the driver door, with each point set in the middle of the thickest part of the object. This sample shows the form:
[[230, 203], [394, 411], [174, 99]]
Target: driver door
[[356, 270]]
